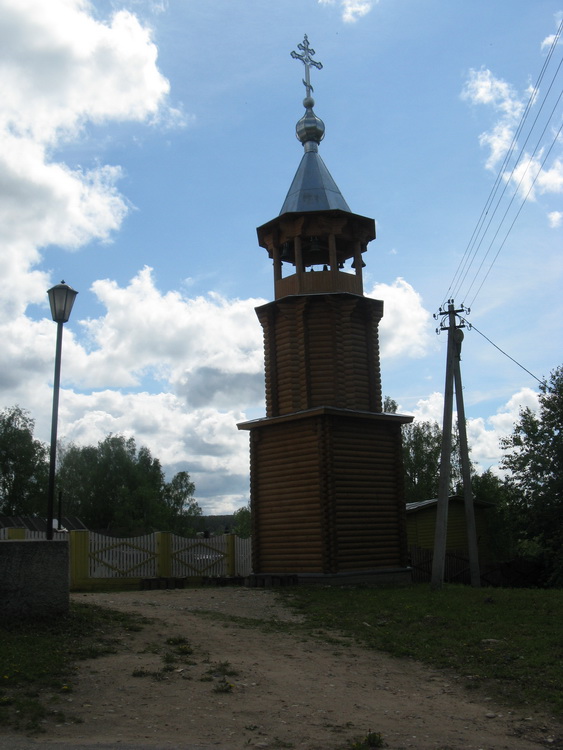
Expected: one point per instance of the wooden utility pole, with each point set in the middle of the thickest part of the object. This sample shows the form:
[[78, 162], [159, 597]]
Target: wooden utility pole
[[450, 323]]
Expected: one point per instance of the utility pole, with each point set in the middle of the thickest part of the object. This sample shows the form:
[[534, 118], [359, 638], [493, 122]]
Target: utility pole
[[449, 322]]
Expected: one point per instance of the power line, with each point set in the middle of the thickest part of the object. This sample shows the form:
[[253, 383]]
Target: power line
[[513, 221], [471, 326], [480, 229], [485, 211], [510, 178]]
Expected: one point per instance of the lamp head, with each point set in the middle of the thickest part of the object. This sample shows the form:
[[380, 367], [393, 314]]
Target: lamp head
[[61, 299]]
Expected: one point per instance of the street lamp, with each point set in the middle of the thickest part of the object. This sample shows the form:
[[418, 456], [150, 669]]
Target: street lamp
[[61, 299]]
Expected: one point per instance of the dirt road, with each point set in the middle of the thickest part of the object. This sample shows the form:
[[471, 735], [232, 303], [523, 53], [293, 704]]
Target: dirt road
[[229, 686]]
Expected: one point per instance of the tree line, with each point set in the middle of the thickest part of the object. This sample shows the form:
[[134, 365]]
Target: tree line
[[113, 487], [121, 489]]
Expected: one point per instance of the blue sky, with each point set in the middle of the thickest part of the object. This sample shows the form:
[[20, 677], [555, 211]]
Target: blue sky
[[143, 141]]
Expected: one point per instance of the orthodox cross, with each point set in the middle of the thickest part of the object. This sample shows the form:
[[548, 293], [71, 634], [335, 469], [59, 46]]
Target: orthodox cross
[[306, 59]]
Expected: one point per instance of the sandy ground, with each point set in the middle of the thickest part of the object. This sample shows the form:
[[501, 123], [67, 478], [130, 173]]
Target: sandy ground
[[288, 691]]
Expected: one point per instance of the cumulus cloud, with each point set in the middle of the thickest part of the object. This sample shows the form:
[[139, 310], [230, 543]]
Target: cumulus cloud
[[62, 68], [555, 219], [205, 354], [529, 175], [551, 38], [482, 87], [405, 330], [352, 9], [483, 435], [203, 441], [188, 343]]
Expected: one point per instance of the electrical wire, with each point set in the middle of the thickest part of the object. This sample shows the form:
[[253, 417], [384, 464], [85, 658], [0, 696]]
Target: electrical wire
[[513, 221], [465, 258], [471, 326], [480, 230], [508, 181]]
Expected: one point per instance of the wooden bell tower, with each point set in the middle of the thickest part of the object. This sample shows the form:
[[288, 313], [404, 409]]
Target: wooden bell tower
[[326, 470]]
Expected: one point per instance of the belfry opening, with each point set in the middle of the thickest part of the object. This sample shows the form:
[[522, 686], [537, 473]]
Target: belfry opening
[[326, 468]]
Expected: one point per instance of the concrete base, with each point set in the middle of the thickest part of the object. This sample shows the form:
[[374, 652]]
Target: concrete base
[[34, 578], [376, 577]]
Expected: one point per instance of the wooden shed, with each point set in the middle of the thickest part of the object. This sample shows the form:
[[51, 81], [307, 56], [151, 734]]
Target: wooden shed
[[421, 525]]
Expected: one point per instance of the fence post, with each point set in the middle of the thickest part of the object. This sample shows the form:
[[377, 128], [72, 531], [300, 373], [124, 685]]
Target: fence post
[[16, 533], [231, 557], [164, 554], [79, 552]]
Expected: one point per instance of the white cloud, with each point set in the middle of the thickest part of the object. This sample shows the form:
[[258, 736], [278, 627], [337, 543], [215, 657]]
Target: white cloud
[[405, 330], [352, 9], [482, 87], [551, 180], [499, 140], [61, 68], [204, 348], [555, 219], [430, 409], [548, 41], [527, 176], [204, 441], [206, 353], [483, 435]]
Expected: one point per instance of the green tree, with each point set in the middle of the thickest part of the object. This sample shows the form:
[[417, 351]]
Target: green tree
[[390, 406], [242, 522], [422, 443], [422, 448], [490, 488], [182, 508], [534, 458], [24, 466], [116, 488]]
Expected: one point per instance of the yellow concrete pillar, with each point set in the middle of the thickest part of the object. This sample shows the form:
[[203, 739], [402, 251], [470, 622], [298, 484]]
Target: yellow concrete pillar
[[79, 551], [164, 554], [16, 533]]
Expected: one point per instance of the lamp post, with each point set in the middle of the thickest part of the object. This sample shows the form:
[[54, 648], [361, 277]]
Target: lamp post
[[61, 299]]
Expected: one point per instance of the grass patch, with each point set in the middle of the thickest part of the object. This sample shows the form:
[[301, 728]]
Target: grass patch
[[508, 641], [371, 740], [222, 669], [222, 686], [37, 658], [174, 651]]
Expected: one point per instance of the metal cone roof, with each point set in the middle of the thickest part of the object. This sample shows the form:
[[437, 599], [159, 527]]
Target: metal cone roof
[[313, 188]]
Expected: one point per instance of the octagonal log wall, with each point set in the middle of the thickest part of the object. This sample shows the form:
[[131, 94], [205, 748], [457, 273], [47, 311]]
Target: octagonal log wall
[[327, 493]]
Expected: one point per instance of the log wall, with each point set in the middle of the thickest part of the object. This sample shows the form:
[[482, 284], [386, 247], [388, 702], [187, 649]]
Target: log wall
[[322, 350], [287, 517], [327, 494]]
